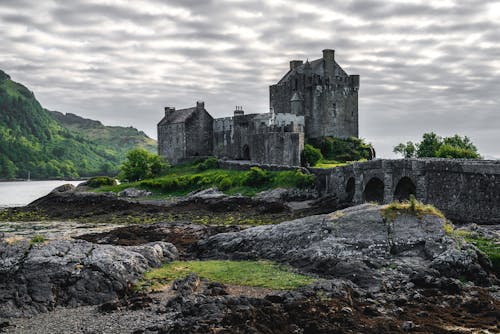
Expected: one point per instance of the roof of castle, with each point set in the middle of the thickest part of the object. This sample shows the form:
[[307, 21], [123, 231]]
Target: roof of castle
[[316, 67], [178, 116]]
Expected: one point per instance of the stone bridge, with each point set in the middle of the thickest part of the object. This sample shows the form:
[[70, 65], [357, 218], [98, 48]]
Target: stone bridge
[[465, 190]]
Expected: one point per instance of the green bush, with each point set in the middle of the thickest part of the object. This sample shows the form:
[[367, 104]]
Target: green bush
[[37, 239], [99, 181], [225, 183], [209, 163], [453, 152], [303, 180], [345, 149], [256, 177], [432, 145], [141, 164], [311, 155]]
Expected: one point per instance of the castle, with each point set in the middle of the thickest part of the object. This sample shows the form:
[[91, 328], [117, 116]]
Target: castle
[[313, 100]]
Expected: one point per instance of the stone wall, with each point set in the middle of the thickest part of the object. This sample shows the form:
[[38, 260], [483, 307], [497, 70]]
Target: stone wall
[[281, 148], [172, 142], [465, 190], [199, 134]]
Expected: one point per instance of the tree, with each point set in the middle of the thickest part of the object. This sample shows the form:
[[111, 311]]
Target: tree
[[429, 145], [432, 145], [140, 165], [311, 155], [407, 150]]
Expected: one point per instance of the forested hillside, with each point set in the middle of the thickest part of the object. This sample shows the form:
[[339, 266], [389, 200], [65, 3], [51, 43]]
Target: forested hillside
[[52, 145]]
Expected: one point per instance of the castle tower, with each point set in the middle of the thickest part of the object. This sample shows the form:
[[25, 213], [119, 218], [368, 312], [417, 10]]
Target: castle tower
[[296, 104]]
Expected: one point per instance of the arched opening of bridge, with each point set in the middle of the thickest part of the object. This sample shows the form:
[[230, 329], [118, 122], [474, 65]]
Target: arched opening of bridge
[[374, 191], [404, 189], [246, 152], [350, 189]]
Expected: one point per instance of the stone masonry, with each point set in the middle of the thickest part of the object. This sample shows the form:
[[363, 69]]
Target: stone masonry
[[312, 100]]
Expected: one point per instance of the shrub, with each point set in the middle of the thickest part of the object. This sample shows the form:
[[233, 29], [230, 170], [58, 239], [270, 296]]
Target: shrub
[[99, 181], [225, 183], [303, 180], [256, 177], [345, 149], [311, 155], [141, 164], [453, 152], [209, 163], [37, 239]]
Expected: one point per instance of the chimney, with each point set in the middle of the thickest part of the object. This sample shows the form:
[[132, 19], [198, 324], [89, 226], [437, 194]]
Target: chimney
[[169, 110], [200, 105], [238, 111], [354, 82], [329, 63], [295, 63], [329, 55]]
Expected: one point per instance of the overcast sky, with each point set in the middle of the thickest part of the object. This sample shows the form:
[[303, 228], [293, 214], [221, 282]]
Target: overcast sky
[[424, 65]]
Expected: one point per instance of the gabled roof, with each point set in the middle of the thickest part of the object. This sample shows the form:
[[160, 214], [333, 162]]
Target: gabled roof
[[317, 67], [178, 116]]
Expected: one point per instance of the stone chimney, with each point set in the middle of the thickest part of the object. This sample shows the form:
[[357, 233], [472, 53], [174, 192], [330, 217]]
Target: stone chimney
[[295, 63], [169, 110], [200, 105], [329, 63], [238, 111]]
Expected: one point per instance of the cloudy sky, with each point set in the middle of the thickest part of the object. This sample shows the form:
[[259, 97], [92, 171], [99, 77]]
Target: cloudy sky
[[424, 65]]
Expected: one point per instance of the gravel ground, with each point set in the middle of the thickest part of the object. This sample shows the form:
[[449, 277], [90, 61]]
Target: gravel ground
[[86, 319]]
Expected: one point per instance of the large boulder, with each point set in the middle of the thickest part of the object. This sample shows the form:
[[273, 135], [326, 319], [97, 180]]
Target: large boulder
[[36, 277], [357, 243]]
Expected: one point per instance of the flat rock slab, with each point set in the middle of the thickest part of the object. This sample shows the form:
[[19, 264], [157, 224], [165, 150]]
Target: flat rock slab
[[38, 277], [357, 243]]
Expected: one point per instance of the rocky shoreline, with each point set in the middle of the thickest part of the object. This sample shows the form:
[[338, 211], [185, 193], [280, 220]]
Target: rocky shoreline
[[374, 273]]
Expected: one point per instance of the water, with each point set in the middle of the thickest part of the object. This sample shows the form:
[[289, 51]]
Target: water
[[20, 193]]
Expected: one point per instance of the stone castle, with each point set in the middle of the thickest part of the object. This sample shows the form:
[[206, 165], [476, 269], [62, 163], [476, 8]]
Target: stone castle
[[313, 100]]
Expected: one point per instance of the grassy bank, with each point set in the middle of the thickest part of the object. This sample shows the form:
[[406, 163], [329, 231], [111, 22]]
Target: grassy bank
[[262, 274], [182, 179]]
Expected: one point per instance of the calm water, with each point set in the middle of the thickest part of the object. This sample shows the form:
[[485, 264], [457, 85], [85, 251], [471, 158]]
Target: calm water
[[19, 193]]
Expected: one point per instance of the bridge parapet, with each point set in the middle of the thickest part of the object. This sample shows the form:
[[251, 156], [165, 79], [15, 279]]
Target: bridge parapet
[[465, 190]]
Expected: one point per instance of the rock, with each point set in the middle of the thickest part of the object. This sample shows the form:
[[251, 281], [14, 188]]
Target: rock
[[408, 326], [210, 193], [37, 278], [182, 235], [356, 243], [64, 188], [287, 194], [134, 192]]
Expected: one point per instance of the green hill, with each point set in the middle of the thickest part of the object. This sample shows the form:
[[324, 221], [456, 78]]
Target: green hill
[[50, 144]]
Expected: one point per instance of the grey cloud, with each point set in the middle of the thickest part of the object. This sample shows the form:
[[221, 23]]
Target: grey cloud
[[430, 69]]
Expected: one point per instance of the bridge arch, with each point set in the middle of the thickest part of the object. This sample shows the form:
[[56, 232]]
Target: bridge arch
[[404, 189], [374, 191], [350, 189]]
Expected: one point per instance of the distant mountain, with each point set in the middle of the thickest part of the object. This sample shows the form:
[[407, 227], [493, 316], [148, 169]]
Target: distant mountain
[[49, 144]]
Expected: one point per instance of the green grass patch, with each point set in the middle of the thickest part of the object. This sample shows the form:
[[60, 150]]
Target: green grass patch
[[264, 274], [183, 179], [37, 239], [411, 207], [489, 247]]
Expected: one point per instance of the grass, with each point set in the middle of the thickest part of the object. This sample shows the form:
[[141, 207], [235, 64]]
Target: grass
[[37, 239], [183, 179], [264, 274], [490, 247], [324, 163], [412, 207]]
